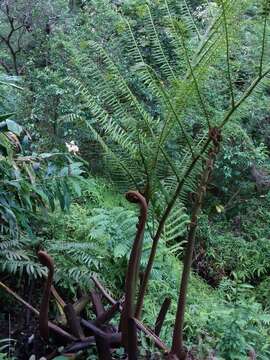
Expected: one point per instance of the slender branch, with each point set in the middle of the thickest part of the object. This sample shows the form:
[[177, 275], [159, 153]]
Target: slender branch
[[79, 345], [170, 162], [140, 326], [112, 338], [147, 189], [19, 27], [3, 38], [14, 49], [97, 304], [13, 54], [57, 297]]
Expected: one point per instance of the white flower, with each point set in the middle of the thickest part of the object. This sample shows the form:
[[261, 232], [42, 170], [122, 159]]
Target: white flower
[[206, 11], [72, 147]]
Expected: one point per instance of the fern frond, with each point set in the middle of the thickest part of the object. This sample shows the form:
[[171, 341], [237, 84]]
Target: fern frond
[[125, 93], [176, 224], [158, 54], [21, 266], [116, 157], [117, 133]]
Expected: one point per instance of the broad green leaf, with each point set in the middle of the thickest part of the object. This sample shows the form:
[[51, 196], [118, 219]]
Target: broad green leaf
[[14, 127]]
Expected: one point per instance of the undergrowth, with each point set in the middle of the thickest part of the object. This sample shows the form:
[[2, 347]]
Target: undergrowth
[[95, 237]]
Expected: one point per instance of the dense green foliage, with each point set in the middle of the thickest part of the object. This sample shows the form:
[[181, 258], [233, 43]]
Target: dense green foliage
[[31, 182], [99, 97], [221, 319]]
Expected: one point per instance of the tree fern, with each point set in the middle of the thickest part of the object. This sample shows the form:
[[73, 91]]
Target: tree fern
[[178, 76]]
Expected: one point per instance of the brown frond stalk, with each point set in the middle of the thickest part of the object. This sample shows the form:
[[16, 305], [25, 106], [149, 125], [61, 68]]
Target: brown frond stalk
[[177, 344], [133, 266]]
